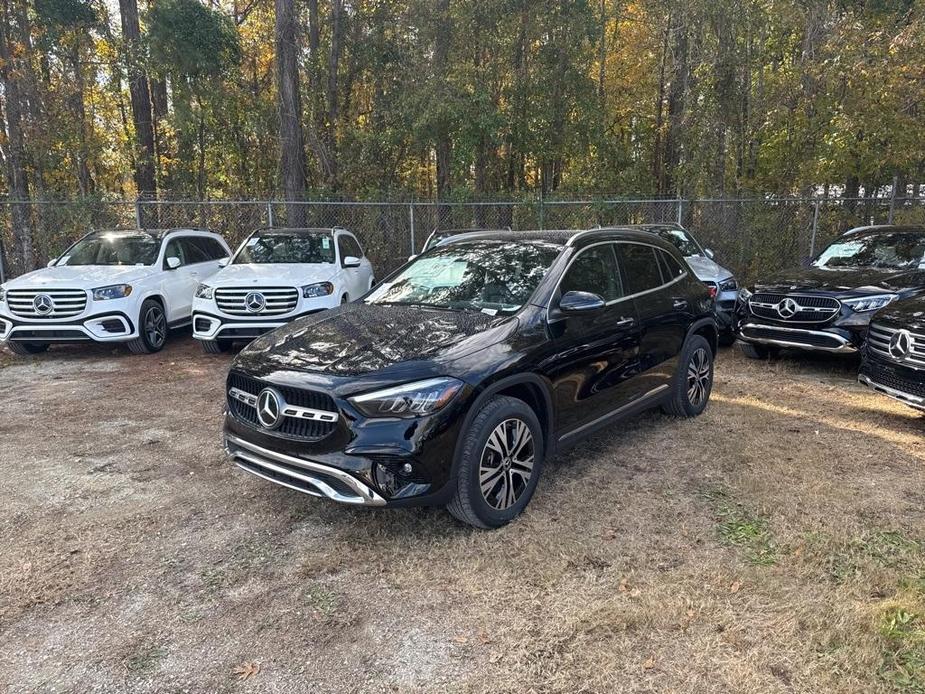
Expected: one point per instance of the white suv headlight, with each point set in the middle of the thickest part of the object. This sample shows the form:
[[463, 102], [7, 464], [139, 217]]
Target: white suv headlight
[[870, 303], [312, 291], [113, 291], [410, 400], [744, 294], [204, 291]]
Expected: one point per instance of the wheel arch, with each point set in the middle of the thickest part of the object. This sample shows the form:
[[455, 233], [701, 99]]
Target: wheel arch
[[706, 328]]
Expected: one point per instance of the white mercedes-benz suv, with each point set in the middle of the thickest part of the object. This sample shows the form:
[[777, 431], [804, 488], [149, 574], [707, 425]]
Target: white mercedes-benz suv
[[111, 286], [278, 275]]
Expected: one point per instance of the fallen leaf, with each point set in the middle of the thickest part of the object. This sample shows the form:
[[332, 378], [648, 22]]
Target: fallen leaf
[[649, 664], [460, 639], [624, 585], [734, 588], [484, 637], [246, 670]]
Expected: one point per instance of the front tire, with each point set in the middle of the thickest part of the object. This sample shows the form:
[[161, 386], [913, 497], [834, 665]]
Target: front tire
[[26, 349], [152, 328], [500, 463], [756, 351], [693, 382], [215, 346]]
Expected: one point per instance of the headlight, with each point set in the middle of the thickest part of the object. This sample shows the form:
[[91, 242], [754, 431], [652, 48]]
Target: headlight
[[203, 291], [729, 285], [114, 291], [410, 400], [870, 303], [311, 291], [744, 294]]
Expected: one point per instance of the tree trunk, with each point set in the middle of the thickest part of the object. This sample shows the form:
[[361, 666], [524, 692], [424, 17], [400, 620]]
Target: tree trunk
[[145, 179], [291, 143], [443, 145], [14, 151], [677, 103]]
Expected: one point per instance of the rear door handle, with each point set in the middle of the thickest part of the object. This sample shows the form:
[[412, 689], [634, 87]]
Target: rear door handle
[[679, 303], [623, 322]]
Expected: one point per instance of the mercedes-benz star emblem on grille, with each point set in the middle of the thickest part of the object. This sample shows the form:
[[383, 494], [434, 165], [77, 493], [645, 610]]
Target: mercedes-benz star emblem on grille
[[269, 408], [43, 304], [901, 344], [788, 308], [255, 302]]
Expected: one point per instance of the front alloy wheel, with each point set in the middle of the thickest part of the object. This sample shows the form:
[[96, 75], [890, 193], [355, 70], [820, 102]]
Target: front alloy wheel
[[699, 377], [507, 464], [152, 326], [693, 382], [498, 464]]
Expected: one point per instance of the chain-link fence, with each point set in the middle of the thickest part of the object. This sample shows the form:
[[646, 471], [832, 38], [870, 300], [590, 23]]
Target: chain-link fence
[[751, 237]]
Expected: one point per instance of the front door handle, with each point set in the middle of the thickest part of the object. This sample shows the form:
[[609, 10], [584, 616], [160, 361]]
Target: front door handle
[[623, 322], [679, 303]]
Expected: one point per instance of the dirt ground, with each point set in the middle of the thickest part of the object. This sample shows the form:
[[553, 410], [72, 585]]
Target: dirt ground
[[776, 544]]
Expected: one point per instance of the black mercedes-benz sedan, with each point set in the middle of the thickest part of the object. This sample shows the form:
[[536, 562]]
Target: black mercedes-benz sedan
[[828, 306], [894, 355], [454, 379]]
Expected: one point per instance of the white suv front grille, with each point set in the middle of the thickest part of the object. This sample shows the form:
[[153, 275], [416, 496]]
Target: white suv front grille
[[46, 303], [256, 301]]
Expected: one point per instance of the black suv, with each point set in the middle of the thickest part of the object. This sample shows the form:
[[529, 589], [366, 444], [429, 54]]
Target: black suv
[[827, 306], [894, 356], [452, 381]]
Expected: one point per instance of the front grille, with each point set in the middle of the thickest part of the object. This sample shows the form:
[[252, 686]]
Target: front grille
[[291, 427], [23, 335], [886, 376], [813, 309], [796, 337], [878, 341], [64, 303], [276, 300]]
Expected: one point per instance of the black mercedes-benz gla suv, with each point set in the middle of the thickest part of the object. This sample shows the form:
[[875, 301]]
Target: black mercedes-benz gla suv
[[828, 306], [894, 355], [454, 379]]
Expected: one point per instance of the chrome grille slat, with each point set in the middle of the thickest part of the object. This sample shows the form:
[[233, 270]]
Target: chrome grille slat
[[878, 342], [279, 300], [67, 303], [814, 309]]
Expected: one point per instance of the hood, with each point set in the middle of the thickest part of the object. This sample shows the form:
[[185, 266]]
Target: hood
[[843, 283], [295, 274], [80, 276], [909, 314], [706, 269], [358, 339]]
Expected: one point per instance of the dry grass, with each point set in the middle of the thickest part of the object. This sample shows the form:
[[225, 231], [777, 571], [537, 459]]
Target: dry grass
[[773, 545]]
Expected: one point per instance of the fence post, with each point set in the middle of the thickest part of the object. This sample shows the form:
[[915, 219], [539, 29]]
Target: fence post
[[680, 211], [542, 212], [893, 199], [138, 214], [411, 222], [812, 239], [270, 213]]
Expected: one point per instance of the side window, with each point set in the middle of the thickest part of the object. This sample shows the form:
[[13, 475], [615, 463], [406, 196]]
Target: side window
[[353, 247], [213, 249], [175, 250], [347, 245], [641, 267], [193, 250], [671, 267], [594, 270]]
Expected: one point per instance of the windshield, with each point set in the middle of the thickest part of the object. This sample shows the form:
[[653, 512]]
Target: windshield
[[886, 251], [113, 249], [480, 275], [681, 240], [287, 248]]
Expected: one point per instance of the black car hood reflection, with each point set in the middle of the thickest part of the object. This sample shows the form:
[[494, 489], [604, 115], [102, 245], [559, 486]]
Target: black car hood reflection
[[843, 282], [909, 314], [357, 339]]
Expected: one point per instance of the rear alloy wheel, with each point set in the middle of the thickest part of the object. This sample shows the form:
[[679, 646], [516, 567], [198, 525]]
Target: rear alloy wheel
[[500, 462], [693, 382], [25, 349], [152, 326]]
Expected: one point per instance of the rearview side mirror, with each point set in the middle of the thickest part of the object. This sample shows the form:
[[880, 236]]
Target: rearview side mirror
[[51, 263], [580, 302], [412, 257], [710, 253], [224, 262], [351, 261], [173, 262]]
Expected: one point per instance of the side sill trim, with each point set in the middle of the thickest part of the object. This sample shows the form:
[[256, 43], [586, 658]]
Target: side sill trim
[[615, 413]]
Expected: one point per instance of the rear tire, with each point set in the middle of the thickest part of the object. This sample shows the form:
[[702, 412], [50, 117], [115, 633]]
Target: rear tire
[[215, 346], [152, 328], [693, 382], [754, 351], [26, 349], [500, 462]]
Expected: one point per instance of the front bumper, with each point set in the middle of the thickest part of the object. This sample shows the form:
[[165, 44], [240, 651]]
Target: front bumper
[[903, 397], [831, 340], [111, 326], [301, 475], [896, 380], [210, 324]]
